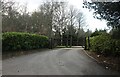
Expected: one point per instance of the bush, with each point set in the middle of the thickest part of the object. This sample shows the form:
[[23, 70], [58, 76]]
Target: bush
[[23, 41], [104, 44], [116, 47]]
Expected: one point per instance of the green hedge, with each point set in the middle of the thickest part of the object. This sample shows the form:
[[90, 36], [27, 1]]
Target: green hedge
[[23, 41], [104, 44]]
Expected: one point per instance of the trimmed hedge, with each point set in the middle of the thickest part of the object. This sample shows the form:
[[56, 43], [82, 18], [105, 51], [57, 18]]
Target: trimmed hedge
[[23, 41], [104, 44]]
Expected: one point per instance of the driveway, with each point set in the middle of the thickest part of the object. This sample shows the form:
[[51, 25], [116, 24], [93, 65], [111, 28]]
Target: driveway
[[63, 61]]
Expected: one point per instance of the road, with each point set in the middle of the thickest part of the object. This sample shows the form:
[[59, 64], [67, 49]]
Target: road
[[63, 61], [0, 67]]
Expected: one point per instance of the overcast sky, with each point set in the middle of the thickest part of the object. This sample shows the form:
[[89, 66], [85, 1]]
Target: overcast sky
[[90, 21]]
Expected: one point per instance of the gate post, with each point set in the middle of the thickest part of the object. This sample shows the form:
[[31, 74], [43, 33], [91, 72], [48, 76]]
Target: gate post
[[88, 42], [85, 44]]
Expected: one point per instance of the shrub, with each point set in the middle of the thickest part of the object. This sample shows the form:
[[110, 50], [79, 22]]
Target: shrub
[[104, 44], [23, 41], [98, 32], [116, 47]]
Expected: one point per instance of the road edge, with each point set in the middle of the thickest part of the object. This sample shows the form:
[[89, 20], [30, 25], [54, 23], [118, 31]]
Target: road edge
[[91, 56], [104, 66], [99, 62]]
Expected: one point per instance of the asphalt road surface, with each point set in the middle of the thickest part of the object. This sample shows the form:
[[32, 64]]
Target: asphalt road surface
[[0, 67], [63, 61]]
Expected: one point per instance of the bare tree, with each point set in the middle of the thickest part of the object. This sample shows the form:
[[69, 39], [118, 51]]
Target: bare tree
[[50, 9], [0, 18], [9, 13], [81, 23], [72, 20], [60, 18]]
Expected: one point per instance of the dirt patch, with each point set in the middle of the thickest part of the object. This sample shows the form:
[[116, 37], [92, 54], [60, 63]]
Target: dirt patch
[[111, 63]]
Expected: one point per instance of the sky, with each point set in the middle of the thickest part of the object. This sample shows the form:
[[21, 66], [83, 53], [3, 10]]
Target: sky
[[91, 22]]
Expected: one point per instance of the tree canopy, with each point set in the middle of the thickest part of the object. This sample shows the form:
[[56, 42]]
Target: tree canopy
[[106, 10], [55, 19]]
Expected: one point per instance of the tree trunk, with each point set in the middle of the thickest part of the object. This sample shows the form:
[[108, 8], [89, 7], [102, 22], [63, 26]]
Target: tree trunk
[[70, 40], [61, 40]]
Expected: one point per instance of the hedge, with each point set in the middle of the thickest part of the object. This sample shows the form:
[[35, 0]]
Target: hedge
[[104, 44], [23, 41]]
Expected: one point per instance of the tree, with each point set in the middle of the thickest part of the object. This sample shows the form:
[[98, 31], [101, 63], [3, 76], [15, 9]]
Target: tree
[[15, 17], [9, 14], [37, 22], [60, 18], [108, 11], [53, 19], [0, 27], [81, 24], [54, 16], [72, 20]]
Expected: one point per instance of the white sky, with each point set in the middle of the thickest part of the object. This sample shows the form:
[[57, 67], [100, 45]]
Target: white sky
[[90, 21]]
